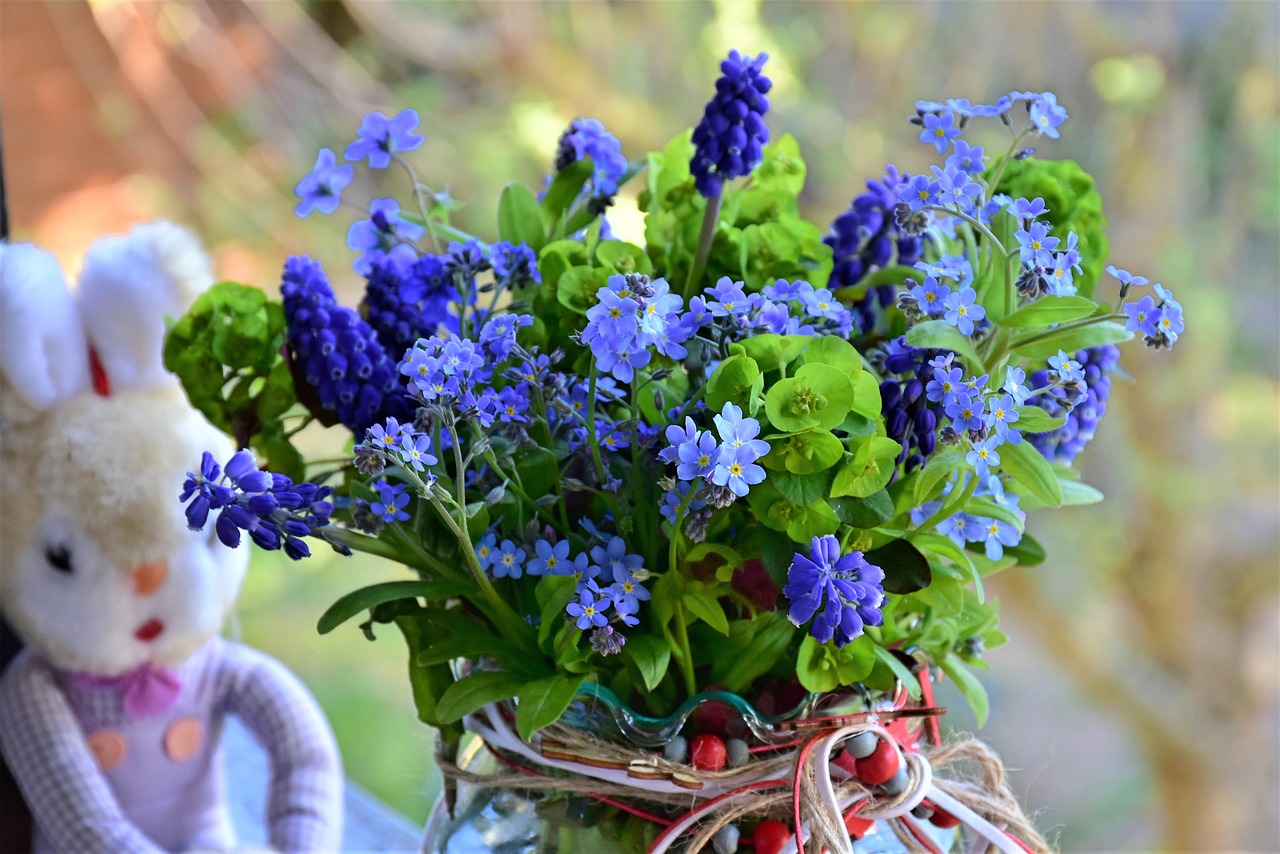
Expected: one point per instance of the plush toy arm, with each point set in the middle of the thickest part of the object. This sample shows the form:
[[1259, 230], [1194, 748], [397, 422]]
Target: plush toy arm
[[304, 807], [41, 740]]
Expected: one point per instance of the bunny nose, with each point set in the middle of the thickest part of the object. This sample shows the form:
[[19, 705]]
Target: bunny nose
[[149, 576]]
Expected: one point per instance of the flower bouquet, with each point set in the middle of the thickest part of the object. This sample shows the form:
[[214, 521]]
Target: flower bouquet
[[694, 526]]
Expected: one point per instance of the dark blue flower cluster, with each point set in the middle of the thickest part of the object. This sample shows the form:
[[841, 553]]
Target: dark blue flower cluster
[[911, 418], [273, 510], [731, 136], [403, 304], [588, 138], [1062, 445], [865, 238], [845, 588], [336, 353]]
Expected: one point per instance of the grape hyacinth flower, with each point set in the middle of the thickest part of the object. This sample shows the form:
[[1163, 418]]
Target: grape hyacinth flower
[[730, 137], [380, 137], [588, 138], [321, 188], [1084, 413], [848, 590], [274, 511], [404, 303], [335, 354]]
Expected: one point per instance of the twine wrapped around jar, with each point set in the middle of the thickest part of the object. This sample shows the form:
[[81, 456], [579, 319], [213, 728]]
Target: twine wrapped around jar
[[795, 782]]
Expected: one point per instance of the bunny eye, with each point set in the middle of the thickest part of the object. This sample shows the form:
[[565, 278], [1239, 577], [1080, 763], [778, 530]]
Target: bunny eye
[[58, 557]]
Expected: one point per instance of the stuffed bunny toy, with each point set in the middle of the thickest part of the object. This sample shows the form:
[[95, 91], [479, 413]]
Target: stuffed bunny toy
[[110, 719]]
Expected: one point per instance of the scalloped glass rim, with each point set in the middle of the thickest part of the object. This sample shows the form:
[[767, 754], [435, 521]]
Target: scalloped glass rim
[[648, 731]]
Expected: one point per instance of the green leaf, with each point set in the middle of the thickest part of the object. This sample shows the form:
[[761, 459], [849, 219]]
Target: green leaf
[[801, 488], [906, 570], [970, 687], [651, 656], [623, 257], [863, 513], [945, 547], [869, 470], [427, 683], [899, 670], [825, 667], [1049, 310], [368, 597], [984, 507], [704, 605], [554, 592], [565, 187], [577, 287], [928, 483], [539, 469], [817, 396], [802, 523], [1028, 551], [806, 452], [771, 637], [520, 218], [732, 559], [836, 352], [866, 399], [895, 275], [1033, 419], [543, 702], [771, 351], [479, 689], [1042, 345], [1075, 493], [1026, 465], [938, 334], [735, 380]]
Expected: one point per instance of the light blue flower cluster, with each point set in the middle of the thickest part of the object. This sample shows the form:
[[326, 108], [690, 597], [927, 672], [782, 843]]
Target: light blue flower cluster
[[1158, 318], [729, 462], [995, 535]]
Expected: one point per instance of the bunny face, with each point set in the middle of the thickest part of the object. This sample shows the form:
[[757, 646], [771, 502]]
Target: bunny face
[[102, 573]]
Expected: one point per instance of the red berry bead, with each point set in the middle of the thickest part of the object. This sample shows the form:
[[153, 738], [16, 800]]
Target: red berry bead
[[846, 760], [942, 818], [770, 837], [880, 766], [708, 753]]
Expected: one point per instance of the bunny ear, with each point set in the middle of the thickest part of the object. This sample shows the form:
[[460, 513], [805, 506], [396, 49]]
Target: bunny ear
[[128, 285], [43, 354]]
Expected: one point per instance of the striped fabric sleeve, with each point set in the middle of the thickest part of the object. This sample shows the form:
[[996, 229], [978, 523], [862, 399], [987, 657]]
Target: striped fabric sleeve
[[304, 805], [70, 799]]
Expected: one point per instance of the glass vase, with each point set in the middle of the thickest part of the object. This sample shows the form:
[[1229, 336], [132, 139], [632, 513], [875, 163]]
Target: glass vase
[[510, 821]]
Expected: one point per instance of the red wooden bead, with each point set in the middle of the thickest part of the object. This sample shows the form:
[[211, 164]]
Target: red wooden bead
[[942, 818], [880, 766], [708, 753], [770, 836]]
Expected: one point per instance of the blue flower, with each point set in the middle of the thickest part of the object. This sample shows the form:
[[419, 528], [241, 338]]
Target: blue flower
[[1047, 115], [1126, 278], [1002, 411], [1066, 370], [335, 355], [1023, 209], [498, 335], [698, 456], [729, 298], [853, 591], [588, 610], [1015, 384], [1084, 412], [390, 503], [415, 451], [550, 559], [1060, 277], [1036, 245], [508, 560], [945, 385], [964, 413], [737, 469], [961, 312], [486, 549], [384, 234], [738, 432], [1143, 316], [729, 140], [321, 188], [983, 456], [918, 191], [380, 137], [514, 264], [627, 595], [998, 535], [966, 158], [587, 138], [931, 296], [613, 561], [939, 130], [956, 188], [613, 320]]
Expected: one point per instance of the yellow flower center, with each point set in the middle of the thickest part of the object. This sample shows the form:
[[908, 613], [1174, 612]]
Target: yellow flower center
[[735, 469]]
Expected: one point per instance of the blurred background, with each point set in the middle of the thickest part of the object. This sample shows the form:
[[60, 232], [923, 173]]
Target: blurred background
[[1138, 702]]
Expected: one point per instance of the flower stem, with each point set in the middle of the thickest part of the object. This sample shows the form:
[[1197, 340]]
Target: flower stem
[[710, 217]]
